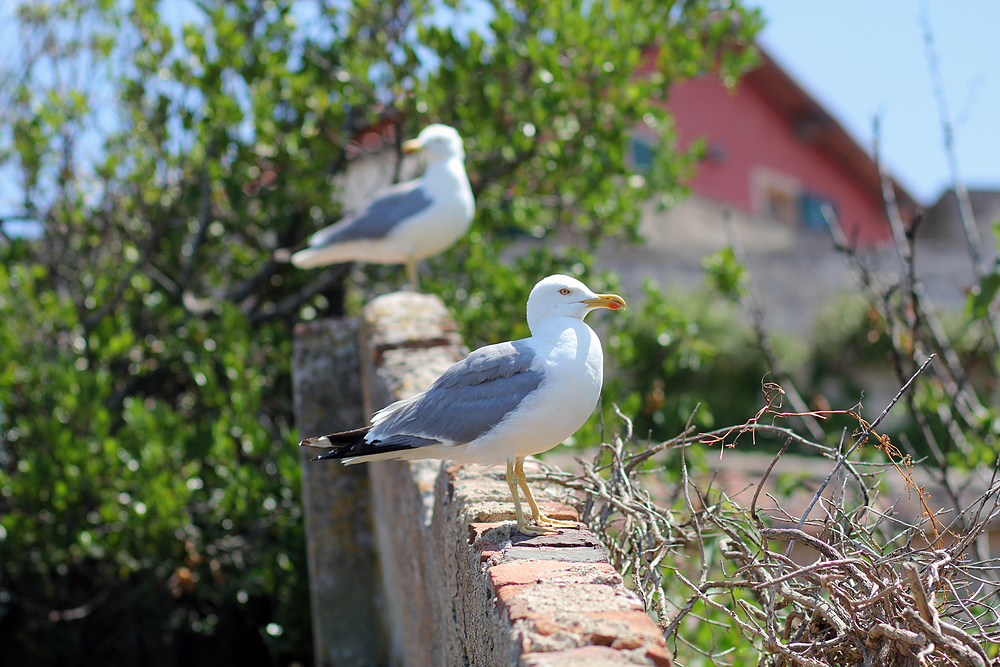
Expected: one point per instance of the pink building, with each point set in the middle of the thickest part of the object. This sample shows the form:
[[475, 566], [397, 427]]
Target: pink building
[[772, 158], [774, 152]]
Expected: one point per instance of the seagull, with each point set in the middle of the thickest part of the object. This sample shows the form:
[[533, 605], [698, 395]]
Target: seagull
[[501, 403], [406, 222]]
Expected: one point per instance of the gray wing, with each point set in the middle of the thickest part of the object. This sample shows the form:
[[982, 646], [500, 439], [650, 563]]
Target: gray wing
[[471, 398], [379, 216]]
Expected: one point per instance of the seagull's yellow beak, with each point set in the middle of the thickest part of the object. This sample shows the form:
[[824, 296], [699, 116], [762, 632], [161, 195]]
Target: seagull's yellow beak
[[609, 301], [412, 146]]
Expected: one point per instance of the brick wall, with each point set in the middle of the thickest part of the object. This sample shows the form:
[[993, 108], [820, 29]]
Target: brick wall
[[458, 587]]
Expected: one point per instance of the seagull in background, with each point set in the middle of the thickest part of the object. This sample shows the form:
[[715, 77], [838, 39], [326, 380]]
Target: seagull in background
[[501, 403], [406, 222]]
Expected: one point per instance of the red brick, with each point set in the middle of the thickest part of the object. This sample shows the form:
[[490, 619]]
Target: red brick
[[638, 621], [509, 598], [544, 625], [585, 656], [603, 638], [617, 629], [627, 642], [659, 656], [477, 530], [537, 571], [489, 550], [560, 511]]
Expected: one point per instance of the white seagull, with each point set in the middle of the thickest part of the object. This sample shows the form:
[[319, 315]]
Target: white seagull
[[406, 222], [503, 401]]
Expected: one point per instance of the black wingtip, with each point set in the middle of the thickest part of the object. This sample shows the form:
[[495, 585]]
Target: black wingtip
[[337, 445], [332, 454], [336, 440]]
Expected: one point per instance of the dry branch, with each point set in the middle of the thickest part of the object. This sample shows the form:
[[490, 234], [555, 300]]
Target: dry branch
[[851, 592]]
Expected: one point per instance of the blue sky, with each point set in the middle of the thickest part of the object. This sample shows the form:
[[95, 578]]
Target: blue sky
[[859, 58]]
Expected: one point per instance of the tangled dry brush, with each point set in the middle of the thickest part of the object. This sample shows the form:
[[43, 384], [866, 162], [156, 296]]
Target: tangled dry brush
[[844, 581]]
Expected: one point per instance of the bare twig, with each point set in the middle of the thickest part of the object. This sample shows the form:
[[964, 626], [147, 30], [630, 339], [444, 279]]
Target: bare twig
[[865, 596], [948, 133], [752, 304], [863, 437]]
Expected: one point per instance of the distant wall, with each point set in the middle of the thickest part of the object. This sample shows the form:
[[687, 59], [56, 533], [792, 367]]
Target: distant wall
[[457, 587], [796, 272]]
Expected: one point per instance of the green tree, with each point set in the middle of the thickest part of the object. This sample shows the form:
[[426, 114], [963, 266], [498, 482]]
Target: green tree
[[149, 486]]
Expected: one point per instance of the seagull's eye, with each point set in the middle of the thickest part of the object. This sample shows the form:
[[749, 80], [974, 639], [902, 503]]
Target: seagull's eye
[[564, 291]]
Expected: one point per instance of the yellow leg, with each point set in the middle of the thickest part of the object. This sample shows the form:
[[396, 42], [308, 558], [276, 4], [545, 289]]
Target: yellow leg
[[512, 482], [411, 272], [536, 513]]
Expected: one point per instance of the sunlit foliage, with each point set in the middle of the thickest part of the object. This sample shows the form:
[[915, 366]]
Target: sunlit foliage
[[149, 483]]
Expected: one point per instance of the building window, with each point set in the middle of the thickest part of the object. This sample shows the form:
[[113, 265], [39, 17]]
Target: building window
[[781, 205], [783, 198], [811, 207], [640, 152], [775, 195], [717, 153]]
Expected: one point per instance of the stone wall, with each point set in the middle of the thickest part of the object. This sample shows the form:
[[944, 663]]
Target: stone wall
[[458, 586], [797, 271]]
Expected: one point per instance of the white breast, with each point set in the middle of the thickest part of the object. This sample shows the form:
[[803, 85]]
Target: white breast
[[443, 223], [573, 362]]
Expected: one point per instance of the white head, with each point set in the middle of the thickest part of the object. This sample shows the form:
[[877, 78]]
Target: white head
[[563, 296], [438, 142]]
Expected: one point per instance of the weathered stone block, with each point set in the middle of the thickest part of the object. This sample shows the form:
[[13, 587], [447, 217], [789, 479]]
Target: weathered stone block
[[461, 586]]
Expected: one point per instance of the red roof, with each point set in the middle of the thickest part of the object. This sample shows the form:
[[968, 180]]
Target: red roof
[[768, 130], [814, 125]]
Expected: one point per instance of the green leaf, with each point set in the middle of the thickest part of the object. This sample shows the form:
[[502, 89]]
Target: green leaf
[[981, 296], [725, 274]]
